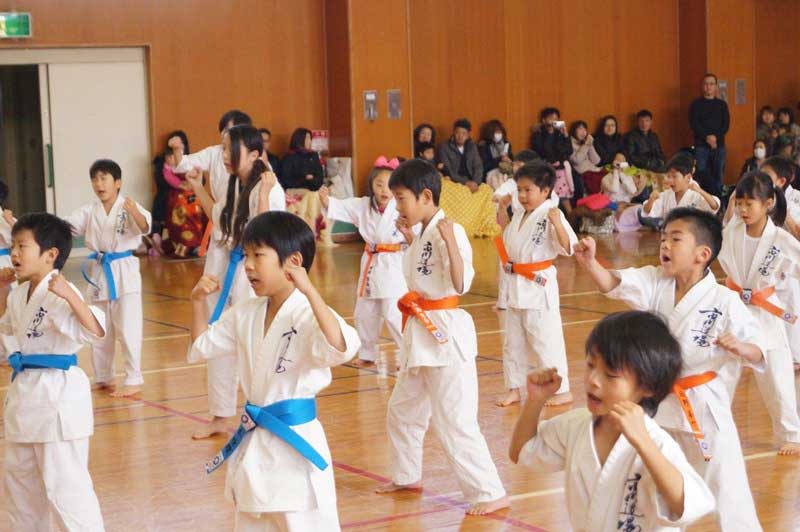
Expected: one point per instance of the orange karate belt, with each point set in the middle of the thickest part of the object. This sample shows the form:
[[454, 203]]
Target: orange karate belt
[[414, 305], [201, 252], [371, 250], [759, 299], [529, 271], [679, 389]]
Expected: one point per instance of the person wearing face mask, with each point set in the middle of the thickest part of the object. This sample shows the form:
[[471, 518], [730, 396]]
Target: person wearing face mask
[[494, 147], [759, 155]]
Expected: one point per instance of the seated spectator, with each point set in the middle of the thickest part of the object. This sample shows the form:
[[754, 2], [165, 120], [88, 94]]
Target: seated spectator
[[460, 156], [494, 147], [424, 133], [550, 139], [272, 159], [301, 178], [618, 185], [186, 221], [427, 152], [767, 129], [607, 140], [301, 168], [759, 155], [642, 147], [584, 159], [786, 123]]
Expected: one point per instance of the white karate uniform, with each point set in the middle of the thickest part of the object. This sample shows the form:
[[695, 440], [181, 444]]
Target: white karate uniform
[[619, 494], [534, 334], [222, 372], [776, 255], [619, 186], [509, 188], [209, 160], [383, 283], [667, 201], [706, 311], [439, 382], [48, 418], [292, 360], [115, 231], [789, 292]]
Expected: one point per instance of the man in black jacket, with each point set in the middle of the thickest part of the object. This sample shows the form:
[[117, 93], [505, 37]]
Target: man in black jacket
[[709, 120], [642, 146], [550, 142], [460, 156]]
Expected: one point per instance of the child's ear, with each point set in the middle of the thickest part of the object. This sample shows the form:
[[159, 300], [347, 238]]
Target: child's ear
[[704, 254], [427, 195], [295, 259], [51, 255]]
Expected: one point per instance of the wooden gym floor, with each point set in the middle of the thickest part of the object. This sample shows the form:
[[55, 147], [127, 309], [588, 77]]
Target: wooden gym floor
[[149, 475]]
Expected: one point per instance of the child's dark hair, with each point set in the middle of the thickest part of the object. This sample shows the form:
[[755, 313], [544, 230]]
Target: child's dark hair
[[422, 147], [463, 123], [417, 175], [106, 166], [705, 227], [540, 173], [765, 109], [547, 111], [298, 139], [644, 113], [639, 343], [284, 232], [682, 162], [233, 226], [758, 185], [263, 130], [49, 231], [181, 134], [573, 129], [239, 118], [782, 167], [526, 156], [3, 192]]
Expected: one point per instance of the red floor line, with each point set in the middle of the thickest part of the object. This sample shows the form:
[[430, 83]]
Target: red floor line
[[395, 517], [452, 503]]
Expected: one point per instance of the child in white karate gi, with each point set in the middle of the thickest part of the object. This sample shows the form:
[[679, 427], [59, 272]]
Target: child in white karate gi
[[252, 189], [380, 281], [622, 471], [682, 191], [114, 226], [284, 341], [535, 236], [758, 256], [48, 415], [717, 334], [438, 380]]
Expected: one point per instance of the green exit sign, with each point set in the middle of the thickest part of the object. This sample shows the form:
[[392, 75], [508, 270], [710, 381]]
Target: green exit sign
[[15, 25]]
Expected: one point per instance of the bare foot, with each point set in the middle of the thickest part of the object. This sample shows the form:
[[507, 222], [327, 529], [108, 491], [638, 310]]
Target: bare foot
[[559, 399], [362, 363], [218, 425], [126, 391], [104, 386], [391, 487], [511, 397], [483, 508], [789, 449]]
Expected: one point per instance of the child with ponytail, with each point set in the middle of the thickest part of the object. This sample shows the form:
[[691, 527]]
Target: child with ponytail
[[758, 256], [252, 189]]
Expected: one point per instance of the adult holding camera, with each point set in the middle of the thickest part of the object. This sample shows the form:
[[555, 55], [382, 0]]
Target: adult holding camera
[[550, 138], [709, 119]]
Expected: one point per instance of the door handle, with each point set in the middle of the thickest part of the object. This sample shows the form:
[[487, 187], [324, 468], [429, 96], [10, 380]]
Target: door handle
[[51, 178]]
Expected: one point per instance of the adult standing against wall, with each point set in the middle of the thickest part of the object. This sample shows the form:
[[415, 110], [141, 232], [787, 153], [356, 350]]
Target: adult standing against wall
[[709, 120]]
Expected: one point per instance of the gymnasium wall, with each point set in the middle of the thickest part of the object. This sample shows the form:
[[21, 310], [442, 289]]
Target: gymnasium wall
[[205, 56], [509, 59], [777, 53]]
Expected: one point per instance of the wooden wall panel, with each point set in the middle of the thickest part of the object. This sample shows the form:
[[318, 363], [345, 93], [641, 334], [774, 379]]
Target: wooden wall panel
[[692, 57], [731, 56], [337, 51], [379, 61], [266, 57], [509, 59], [777, 53]]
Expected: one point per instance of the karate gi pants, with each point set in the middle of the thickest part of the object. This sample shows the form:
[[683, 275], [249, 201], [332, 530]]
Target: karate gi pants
[[368, 315], [123, 323]]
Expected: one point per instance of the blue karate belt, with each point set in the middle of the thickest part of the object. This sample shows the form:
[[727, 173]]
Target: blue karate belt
[[5, 252], [278, 419], [105, 260], [20, 362], [234, 258]]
